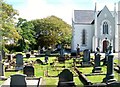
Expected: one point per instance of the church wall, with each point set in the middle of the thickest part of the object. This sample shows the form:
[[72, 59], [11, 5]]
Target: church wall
[[106, 16], [78, 28]]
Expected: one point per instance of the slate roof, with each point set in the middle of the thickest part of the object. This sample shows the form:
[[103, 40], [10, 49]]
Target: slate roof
[[83, 16], [87, 16]]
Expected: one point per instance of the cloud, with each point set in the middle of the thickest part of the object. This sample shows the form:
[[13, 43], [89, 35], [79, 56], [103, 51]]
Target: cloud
[[41, 8], [35, 9]]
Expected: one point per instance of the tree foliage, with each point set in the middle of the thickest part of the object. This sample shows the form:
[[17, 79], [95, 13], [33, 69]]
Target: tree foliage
[[51, 31], [27, 34], [7, 28], [8, 25]]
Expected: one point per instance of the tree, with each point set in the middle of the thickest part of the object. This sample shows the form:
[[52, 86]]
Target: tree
[[7, 18], [51, 31], [26, 31]]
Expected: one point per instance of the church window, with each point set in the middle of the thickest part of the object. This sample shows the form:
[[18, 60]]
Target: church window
[[105, 28], [83, 37]]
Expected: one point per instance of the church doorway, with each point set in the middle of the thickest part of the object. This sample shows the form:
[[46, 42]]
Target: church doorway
[[105, 45]]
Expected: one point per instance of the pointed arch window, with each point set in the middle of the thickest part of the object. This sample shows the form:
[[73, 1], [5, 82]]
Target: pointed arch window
[[83, 37], [105, 28]]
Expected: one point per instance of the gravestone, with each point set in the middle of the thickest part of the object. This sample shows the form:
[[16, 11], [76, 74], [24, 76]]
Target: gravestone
[[97, 68], [61, 58], [106, 58], [108, 51], [9, 56], [19, 61], [27, 55], [29, 71], [1, 69], [47, 54], [32, 52], [39, 61], [78, 50], [73, 54], [0, 57], [18, 80], [110, 68], [66, 79], [86, 58]]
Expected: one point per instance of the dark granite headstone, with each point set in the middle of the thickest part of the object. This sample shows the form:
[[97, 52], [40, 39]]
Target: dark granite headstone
[[97, 68], [110, 67], [32, 52], [78, 50], [73, 54], [27, 55], [47, 54], [18, 80], [66, 79], [19, 61], [61, 58], [86, 58], [9, 57], [29, 71]]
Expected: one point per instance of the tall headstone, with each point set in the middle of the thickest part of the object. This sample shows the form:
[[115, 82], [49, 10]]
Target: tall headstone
[[61, 58], [0, 56], [86, 58], [1, 69], [97, 68], [78, 50], [66, 79], [106, 57], [19, 61], [47, 54], [18, 80], [110, 67], [9, 56]]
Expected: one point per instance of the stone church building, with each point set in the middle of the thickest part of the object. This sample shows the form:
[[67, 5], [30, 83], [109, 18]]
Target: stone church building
[[92, 29]]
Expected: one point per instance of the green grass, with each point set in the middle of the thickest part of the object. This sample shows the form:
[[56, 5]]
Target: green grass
[[51, 81], [96, 78], [1, 82], [41, 58], [54, 71], [116, 61], [78, 83]]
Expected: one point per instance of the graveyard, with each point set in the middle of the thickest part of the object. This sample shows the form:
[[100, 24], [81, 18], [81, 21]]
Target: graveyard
[[89, 69], [51, 52]]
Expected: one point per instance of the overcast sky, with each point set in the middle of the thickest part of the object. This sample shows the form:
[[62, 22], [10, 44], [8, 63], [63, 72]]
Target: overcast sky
[[36, 9]]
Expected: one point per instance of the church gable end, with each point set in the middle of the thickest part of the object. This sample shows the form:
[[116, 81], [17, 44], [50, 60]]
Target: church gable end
[[105, 14], [93, 28]]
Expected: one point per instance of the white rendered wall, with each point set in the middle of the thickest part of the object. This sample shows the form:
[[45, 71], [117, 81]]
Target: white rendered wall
[[77, 38]]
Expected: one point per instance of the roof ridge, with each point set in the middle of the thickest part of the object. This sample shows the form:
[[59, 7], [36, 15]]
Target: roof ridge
[[83, 10]]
